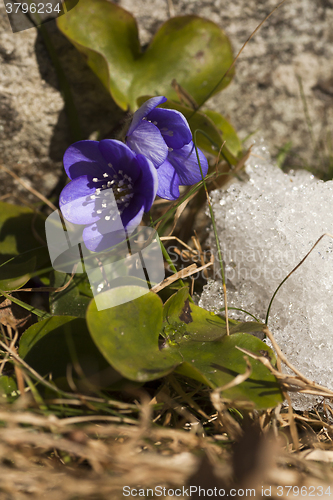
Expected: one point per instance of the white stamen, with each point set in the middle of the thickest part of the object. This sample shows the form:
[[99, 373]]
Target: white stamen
[[105, 174], [104, 205], [92, 197], [99, 211], [103, 186], [95, 179], [170, 149], [107, 217]]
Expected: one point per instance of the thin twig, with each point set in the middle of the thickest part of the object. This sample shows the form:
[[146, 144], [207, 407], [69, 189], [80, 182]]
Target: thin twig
[[29, 188]]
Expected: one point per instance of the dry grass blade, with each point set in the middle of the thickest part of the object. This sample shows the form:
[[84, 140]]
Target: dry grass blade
[[232, 427], [239, 53], [184, 273], [29, 188], [179, 212], [289, 383], [239, 379]]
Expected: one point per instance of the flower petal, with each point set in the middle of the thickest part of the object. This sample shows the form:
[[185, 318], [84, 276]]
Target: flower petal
[[143, 111], [83, 158], [148, 181], [168, 182], [75, 202], [173, 126], [132, 216], [120, 156], [148, 141], [185, 163], [106, 234], [96, 241]]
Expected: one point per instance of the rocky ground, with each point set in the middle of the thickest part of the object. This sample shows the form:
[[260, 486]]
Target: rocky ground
[[265, 95]]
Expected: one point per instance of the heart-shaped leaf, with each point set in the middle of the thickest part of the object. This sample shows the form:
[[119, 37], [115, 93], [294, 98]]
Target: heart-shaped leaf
[[127, 334], [218, 363], [62, 345], [193, 50], [183, 319]]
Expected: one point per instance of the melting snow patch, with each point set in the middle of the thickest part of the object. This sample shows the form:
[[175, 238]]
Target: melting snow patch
[[266, 225]]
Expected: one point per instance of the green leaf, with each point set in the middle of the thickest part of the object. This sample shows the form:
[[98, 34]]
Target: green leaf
[[62, 345], [218, 363], [16, 273], [253, 327], [233, 143], [27, 307], [193, 50], [127, 334], [69, 302], [16, 233], [7, 385], [184, 320], [19, 245]]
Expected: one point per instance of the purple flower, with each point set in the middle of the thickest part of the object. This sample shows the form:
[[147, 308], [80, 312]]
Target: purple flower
[[164, 137], [110, 188]]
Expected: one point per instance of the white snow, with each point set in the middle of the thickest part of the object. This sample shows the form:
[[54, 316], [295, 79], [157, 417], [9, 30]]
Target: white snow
[[266, 225]]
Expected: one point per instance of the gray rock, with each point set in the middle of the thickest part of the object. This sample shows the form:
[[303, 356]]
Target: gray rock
[[265, 95]]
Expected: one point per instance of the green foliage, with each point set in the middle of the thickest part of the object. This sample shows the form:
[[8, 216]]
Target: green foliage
[[20, 250], [183, 320], [195, 343], [127, 335], [71, 301], [80, 348], [193, 50], [62, 346], [7, 385], [233, 143]]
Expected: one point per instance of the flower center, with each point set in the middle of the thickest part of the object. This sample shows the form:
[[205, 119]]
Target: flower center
[[112, 195]]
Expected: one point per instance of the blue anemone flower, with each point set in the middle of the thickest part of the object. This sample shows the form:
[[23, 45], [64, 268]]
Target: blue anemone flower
[[110, 189], [164, 137]]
